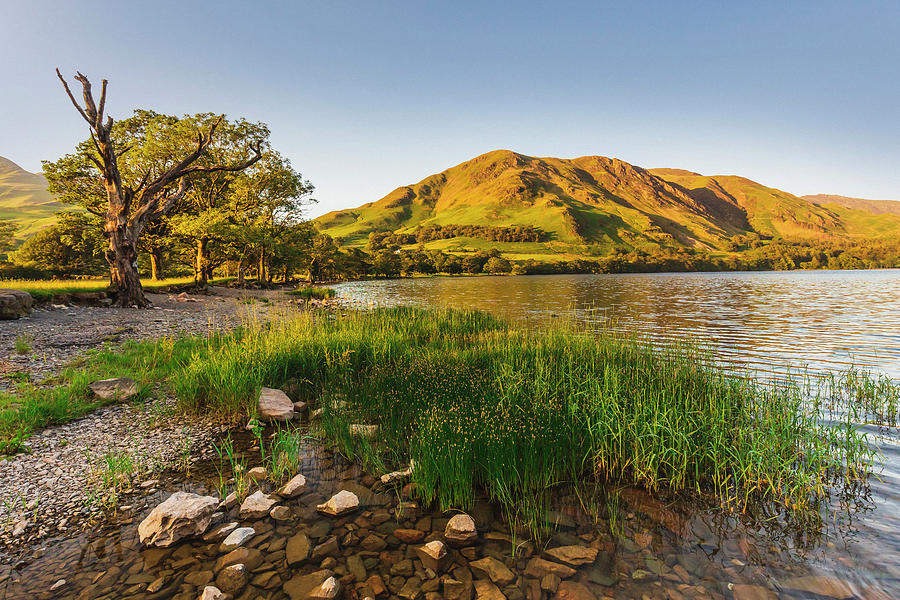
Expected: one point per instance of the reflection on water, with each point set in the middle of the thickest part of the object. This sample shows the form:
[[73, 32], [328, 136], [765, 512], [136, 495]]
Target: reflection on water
[[767, 322]]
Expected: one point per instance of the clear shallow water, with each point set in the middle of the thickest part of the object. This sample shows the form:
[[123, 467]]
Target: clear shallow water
[[770, 322]]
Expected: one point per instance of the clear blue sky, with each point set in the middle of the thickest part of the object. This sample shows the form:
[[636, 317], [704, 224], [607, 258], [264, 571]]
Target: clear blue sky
[[366, 96]]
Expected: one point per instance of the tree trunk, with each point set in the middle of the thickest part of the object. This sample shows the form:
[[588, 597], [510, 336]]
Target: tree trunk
[[156, 264], [240, 273], [262, 266], [123, 273], [202, 261]]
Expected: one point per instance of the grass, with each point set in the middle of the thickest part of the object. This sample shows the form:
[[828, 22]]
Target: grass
[[45, 289], [23, 343], [307, 293], [482, 404]]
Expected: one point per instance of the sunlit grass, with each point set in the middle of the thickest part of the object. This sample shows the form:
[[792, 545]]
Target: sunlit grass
[[319, 293], [49, 287]]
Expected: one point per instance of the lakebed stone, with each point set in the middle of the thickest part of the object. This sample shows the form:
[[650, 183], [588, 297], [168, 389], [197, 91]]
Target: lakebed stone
[[181, 515], [340, 504], [257, 505], [460, 529], [433, 555], [274, 405], [237, 538], [573, 556], [294, 487]]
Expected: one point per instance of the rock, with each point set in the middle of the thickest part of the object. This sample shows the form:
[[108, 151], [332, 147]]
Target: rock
[[327, 590], [820, 585], [280, 513], [744, 591], [300, 406], [460, 530], [571, 590], [329, 547], [232, 579], [249, 557], [494, 570], [19, 528], [257, 505], [274, 405], [57, 585], [301, 587], [455, 589], [297, 549], [340, 504], [396, 477], [211, 592], [14, 304], [373, 543], [181, 515], [409, 536], [550, 582], [220, 532], [412, 589], [237, 538], [376, 584], [356, 567], [120, 388], [485, 590], [293, 488], [573, 556], [538, 567], [433, 555], [257, 474]]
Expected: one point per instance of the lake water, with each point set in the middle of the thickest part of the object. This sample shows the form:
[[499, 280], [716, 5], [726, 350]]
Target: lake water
[[769, 322]]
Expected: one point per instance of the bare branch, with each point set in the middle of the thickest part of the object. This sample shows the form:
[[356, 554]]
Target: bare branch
[[102, 105], [72, 97], [89, 107], [123, 151]]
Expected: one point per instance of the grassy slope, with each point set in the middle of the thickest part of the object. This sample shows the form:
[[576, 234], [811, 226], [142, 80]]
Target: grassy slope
[[598, 201], [25, 200]]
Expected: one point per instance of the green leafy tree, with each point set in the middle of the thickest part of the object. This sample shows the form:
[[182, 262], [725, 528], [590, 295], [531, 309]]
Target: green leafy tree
[[7, 229], [73, 246], [137, 191]]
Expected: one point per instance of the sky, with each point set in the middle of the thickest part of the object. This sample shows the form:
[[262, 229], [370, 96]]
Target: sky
[[364, 97]]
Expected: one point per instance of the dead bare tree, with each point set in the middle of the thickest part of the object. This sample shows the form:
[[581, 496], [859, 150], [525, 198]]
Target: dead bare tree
[[129, 209]]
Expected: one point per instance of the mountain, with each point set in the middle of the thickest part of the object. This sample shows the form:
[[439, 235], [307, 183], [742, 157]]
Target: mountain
[[878, 207], [24, 199], [596, 203]]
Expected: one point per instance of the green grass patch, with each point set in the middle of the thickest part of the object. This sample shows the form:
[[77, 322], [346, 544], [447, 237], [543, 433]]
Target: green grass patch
[[45, 289]]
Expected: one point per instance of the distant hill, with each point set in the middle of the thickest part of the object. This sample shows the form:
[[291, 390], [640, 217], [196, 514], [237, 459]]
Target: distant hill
[[594, 204], [878, 207], [24, 199]]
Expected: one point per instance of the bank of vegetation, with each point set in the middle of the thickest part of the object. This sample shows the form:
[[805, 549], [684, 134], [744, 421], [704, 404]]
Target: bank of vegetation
[[480, 403]]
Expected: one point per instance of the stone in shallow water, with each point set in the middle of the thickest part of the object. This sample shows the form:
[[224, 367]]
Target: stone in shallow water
[[257, 474], [293, 488], [494, 570], [460, 529], [211, 592], [280, 513], [233, 578], [274, 405], [301, 587], [237, 538], [297, 549], [433, 555], [538, 567], [822, 585], [409, 536], [121, 388], [573, 556], [455, 589], [257, 505], [485, 590], [327, 590], [181, 515], [571, 590], [743, 591], [340, 504]]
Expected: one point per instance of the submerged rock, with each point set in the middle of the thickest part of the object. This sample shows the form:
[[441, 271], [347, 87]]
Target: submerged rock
[[301, 587], [820, 585], [181, 515], [460, 529], [433, 555], [237, 538], [293, 488], [274, 405], [120, 388], [256, 506], [494, 570], [211, 592], [340, 504], [573, 556]]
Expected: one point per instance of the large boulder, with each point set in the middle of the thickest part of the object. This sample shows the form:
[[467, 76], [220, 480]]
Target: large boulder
[[120, 388], [181, 515], [14, 304], [274, 405], [257, 505]]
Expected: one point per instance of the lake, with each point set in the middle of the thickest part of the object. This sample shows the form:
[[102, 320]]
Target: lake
[[768, 322]]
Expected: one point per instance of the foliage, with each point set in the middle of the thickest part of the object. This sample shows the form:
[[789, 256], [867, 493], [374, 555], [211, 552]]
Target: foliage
[[318, 293], [73, 246]]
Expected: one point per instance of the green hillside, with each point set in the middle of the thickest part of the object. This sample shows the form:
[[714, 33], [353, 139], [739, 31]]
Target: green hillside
[[592, 204], [24, 199]]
